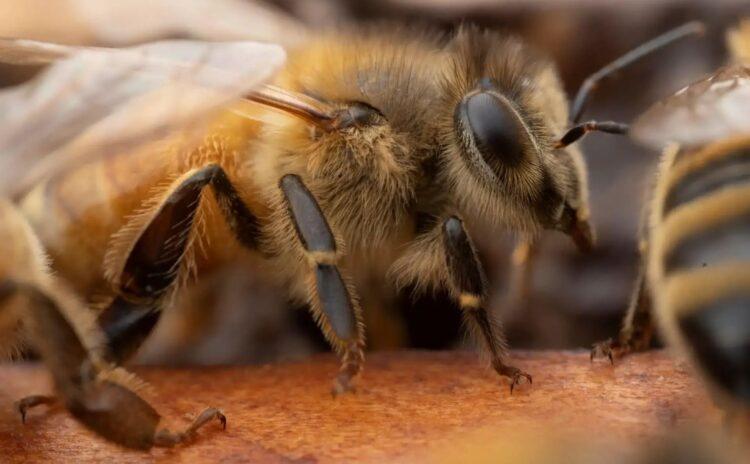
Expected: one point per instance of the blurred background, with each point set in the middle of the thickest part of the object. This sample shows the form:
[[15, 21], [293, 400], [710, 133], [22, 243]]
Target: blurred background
[[574, 300]]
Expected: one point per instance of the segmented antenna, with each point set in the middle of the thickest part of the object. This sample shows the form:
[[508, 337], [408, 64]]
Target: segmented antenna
[[576, 132], [643, 50]]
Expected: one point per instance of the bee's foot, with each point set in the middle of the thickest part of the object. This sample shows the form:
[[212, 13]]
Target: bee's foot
[[168, 439], [604, 349], [24, 404], [516, 376], [342, 384]]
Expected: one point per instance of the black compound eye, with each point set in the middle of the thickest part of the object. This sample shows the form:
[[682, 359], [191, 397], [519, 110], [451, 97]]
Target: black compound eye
[[498, 131]]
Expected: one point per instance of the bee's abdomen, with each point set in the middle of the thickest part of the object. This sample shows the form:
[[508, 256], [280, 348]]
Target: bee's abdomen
[[722, 242], [705, 211], [700, 263], [719, 335], [718, 173]]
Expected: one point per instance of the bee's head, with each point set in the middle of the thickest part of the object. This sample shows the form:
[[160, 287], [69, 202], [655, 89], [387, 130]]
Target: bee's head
[[504, 108]]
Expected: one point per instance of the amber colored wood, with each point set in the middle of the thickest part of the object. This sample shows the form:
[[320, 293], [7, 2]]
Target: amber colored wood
[[407, 404]]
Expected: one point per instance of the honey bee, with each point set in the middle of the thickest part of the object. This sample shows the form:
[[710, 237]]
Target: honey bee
[[372, 149], [695, 274]]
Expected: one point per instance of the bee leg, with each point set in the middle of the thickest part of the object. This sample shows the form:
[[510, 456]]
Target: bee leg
[[524, 258], [151, 266], [8, 289], [109, 409], [165, 438], [332, 301], [637, 326], [26, 403], [468, 285]]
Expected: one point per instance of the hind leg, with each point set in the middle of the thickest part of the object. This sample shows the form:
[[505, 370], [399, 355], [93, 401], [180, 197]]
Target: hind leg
[[90, 391], [155, 258], [28, 402]]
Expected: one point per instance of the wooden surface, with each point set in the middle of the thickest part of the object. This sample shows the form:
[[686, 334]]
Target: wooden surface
[[407, 405]]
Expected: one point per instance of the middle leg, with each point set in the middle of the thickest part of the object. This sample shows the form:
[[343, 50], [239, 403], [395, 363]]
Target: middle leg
[[332, 300]]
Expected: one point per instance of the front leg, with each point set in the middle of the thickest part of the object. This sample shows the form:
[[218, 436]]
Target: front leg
[[468, 286], [331, 300]]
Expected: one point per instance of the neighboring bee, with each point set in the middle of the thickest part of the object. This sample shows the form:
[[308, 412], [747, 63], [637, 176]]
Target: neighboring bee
[[37, 309], [696, 260], [388, 146]]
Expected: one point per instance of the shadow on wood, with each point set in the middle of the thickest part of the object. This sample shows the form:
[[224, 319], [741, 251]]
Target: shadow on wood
[[407, 404]]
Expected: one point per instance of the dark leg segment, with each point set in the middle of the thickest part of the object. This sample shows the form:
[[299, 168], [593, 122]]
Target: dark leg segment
[[637, 326], [154, 261], [577, 132], [111, 410], [26, 403], [339, 311], [468, 286], [126, 326], [166, 438], [334, 296]]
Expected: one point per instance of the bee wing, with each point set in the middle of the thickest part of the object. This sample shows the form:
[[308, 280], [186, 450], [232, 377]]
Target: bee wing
[[138, 21], [710, 109], [97, 101], [31, 52]]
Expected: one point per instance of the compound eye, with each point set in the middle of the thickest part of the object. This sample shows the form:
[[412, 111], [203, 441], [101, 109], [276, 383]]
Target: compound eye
[[496, 127]]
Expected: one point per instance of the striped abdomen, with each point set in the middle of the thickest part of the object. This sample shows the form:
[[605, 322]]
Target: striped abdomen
[[699, 267]]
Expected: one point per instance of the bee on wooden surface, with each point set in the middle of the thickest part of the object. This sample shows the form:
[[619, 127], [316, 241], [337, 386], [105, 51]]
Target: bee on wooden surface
[[374, 149], [695, 274]]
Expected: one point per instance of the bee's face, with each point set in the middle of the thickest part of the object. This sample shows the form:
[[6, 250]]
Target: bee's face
[[503, 109]]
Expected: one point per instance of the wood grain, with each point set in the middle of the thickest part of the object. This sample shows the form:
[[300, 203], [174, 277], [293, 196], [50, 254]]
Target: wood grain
[[408, 404]]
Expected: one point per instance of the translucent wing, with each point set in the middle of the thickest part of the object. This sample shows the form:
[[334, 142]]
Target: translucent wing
[[130, 22], [31, 52], [136, 20], [710, 109], [97, 101]]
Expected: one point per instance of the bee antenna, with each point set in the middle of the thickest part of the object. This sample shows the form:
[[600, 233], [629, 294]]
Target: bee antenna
[[589, 85], [303, 106], [577, 132]]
